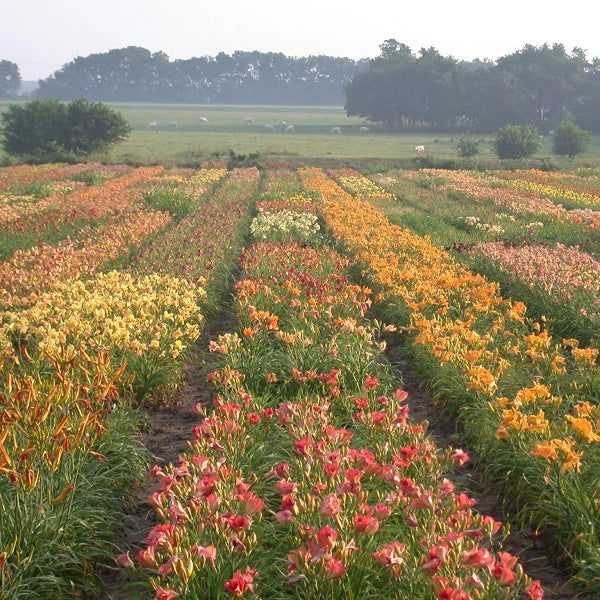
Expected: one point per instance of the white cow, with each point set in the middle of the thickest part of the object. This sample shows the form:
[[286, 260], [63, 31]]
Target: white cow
[[249, 120], [153, 125], [203, 120], [364, 129], [289, 129], [419, 149], [335, 130], [284, 124]]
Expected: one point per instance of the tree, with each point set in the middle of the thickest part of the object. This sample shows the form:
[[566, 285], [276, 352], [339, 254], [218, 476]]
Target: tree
[[10, 79], [569, 139], [92, 126], [43, 128], [516, 141]]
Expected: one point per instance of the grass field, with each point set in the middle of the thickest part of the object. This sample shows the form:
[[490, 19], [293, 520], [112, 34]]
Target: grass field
[[194, 141]]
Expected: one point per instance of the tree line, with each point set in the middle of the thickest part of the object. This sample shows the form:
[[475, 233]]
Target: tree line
[[134, 74], [538, 86]]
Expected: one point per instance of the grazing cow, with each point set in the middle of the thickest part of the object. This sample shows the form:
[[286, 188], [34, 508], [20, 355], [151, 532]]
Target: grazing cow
[[284, 124], [335, 130], [153, 125], [249, 120], [269, 127], [419, 149], [289, 129], [172, 125], [203, 120], [364, 129]]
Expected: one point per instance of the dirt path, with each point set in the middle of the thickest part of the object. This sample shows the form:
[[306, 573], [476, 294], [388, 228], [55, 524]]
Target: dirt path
[[166, 437]]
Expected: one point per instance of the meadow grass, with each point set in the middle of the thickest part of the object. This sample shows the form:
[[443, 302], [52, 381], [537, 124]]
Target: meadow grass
[[193, 141]]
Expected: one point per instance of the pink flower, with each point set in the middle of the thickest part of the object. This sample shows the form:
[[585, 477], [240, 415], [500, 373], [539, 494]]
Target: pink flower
[[392, 556], [330, 506], [460, 457], [535, 591], [334, 568], [162, 594], [147, 557], [285, 516], [208, 552], [125, 560], [382, 511]]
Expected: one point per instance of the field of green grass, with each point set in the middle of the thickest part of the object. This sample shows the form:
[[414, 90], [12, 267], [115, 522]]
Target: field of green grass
[[194, 141]]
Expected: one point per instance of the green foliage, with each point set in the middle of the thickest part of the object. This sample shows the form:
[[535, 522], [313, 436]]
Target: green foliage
[[171, 199], [243, 160], [50, 129], [467, 146], [516, 141], [569, 139], [10, 79]]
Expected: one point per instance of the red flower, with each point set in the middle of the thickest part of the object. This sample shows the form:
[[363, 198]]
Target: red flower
[[366, 523], [238, 522], [370, 382], [326, 537], [240, 583], [253, 418], [479, 558], [162, 594]]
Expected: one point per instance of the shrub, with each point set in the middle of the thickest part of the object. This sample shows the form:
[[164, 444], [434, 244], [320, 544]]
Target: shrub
[[49, 128], [467, 146], [516, 141], [569, 140]]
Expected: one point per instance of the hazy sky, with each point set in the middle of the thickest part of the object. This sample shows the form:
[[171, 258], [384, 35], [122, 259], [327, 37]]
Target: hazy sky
[[42, 35]]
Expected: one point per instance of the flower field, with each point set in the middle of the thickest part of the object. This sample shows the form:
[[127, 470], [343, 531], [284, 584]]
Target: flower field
[[305, 475]]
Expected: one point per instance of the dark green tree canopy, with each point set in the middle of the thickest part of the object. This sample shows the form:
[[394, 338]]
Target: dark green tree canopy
[[536, 86], [10, 79], [43, 127], [136, 74]]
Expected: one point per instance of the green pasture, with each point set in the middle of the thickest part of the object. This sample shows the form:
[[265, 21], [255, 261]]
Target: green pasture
[[192, 140], [227, 130]]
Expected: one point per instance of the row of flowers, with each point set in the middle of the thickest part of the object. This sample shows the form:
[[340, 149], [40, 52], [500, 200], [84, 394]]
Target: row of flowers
[[24, 174], [541, 262], [307, 478], [202, 245], [521, 198], [36, 269], [72, 365], [85, 203], [522, 397]]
